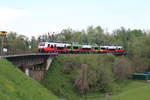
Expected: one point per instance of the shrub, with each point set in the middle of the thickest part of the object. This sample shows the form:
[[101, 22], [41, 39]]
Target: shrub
[[122, 68], [139, 65]]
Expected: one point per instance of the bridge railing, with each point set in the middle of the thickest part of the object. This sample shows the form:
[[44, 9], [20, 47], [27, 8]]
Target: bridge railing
[[17, 52]]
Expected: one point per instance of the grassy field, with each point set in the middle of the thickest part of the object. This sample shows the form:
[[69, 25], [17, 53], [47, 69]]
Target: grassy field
[[136, 90], [14, 85]]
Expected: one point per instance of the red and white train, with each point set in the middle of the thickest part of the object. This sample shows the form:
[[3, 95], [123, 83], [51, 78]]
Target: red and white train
[[66, 48]]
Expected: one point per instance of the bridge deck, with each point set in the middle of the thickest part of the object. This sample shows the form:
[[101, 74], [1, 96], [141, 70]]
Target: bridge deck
[[30, 54]]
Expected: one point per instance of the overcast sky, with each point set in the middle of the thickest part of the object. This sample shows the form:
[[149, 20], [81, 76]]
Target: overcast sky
[[33, 17]]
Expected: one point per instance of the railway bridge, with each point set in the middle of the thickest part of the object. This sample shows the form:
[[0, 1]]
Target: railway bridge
[[33, 64]]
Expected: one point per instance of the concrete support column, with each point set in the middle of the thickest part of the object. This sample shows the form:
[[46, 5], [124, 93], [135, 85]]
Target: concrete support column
[[48, 63], [27, 71]]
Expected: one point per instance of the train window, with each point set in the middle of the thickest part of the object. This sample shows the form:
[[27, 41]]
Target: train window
[[75, 47], [51, 46], [48, 45], [60, 48], [86, 48], [112, 49], [96, 48], [42, 44], [68, 47]]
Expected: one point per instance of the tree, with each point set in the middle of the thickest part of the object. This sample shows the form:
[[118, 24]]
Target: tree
[[122, 68], [139, 65], [66, 35], [81, 81], [33, 44], [16, 43]]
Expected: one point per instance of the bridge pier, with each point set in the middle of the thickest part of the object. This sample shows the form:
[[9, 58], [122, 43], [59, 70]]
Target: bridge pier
[[27, 71], [48, 63], [37, 74]]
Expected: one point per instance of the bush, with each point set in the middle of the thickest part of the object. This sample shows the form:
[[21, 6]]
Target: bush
[[122, 68], [139, 65]]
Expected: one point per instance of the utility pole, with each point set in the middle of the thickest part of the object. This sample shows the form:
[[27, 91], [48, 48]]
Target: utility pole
[[2, 43], [2, 34]]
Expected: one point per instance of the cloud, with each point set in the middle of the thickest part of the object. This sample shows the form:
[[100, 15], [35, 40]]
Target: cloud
[[10, 14]]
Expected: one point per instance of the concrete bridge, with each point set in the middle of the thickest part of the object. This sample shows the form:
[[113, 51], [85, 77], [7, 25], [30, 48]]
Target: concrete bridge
[[33, 65]]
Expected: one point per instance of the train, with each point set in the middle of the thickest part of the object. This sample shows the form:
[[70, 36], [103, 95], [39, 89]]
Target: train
[[76, 48]]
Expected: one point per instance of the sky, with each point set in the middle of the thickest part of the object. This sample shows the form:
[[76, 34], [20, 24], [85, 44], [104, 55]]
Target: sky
[[36, 17]]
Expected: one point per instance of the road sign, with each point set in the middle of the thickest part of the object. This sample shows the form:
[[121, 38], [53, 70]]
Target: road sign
[[3, 33]]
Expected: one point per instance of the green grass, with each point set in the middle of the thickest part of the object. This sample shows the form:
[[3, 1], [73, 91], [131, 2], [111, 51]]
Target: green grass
[[135, 90], [14, 85]]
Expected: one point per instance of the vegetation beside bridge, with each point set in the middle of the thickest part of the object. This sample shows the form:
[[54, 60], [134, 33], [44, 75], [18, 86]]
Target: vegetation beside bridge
[[77, 77], [15, 85]]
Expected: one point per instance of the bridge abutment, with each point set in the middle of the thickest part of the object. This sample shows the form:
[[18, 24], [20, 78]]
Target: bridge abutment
[[33, 66]]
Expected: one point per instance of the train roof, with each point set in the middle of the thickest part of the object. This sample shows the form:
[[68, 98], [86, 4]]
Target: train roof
[[83, 45], [86, 46]]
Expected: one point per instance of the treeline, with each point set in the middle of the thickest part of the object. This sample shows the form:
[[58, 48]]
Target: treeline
[[135, 42], [130, 39], [15, 43]]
